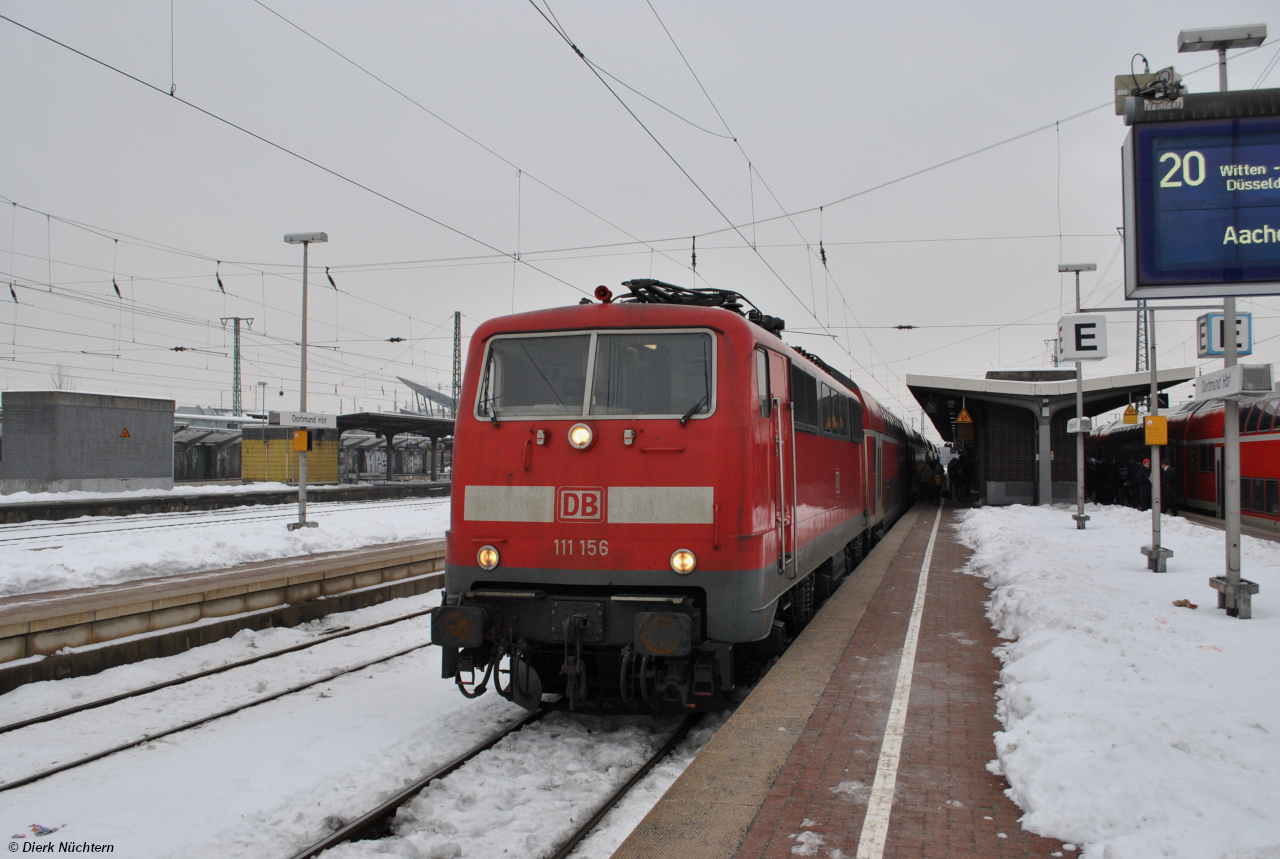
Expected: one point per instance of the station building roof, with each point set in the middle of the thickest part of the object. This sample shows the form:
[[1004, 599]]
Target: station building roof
[[395, 423]]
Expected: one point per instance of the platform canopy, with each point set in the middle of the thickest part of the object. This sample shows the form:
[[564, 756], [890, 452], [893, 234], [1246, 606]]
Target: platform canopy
[[396, 423], [1019, 449]]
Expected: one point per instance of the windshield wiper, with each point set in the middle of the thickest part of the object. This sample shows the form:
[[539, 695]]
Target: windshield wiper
[[684, 420], [492, 405]]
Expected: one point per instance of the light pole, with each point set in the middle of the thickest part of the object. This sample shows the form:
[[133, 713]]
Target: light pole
[[1080, 517], [1221, 39], [304, 239]]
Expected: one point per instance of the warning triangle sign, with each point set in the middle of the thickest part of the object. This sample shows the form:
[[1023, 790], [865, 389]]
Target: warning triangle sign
[[964, 417], [1131, 415], [125, 434]]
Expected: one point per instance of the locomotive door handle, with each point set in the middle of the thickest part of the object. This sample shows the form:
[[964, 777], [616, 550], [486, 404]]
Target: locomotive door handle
[[528, 454]]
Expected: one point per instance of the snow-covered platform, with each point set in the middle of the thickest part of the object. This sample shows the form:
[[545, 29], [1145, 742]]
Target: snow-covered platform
[[996, 683]]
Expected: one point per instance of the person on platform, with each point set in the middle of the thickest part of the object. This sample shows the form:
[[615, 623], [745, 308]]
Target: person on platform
[[1168, 490], [1144, 485], [924, 476]]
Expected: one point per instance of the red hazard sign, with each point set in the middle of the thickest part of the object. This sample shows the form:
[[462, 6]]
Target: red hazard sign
[[125, 433]]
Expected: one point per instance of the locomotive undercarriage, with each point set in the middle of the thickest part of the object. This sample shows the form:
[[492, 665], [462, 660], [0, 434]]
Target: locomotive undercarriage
[[603, 650]]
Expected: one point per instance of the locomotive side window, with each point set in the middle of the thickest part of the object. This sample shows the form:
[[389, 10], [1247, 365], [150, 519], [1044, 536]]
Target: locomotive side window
[[835, 413], [1206, 459], [762, 383], [804, 397], [535, 376], [652, 374], [855, 421]]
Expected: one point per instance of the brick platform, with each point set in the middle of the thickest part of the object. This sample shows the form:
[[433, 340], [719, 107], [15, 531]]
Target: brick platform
[[946, 803]]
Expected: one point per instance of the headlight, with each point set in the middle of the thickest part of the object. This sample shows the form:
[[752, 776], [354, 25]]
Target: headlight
[[683, 561], [487, 557], [580, 436]]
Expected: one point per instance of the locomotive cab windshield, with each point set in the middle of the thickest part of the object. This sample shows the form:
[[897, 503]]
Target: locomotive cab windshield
[[605, 374]]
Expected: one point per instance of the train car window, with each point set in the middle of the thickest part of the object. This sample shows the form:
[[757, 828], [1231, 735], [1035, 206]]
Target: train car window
[[1273, 496], [1259, 500], [855, 421], [804, 397], [652, 374], [1267, 422], [762, 383], [1206, 459], [835, 417], [535, 376], [1246, 495], [1251, 425], [1245, 411]]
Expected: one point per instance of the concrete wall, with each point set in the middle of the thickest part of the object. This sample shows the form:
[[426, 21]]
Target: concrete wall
[[60, 441]]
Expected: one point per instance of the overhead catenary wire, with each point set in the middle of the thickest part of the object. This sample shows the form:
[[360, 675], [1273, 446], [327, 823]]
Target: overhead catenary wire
[[419, 105], [754, 173], [287, 151], [555, 25]]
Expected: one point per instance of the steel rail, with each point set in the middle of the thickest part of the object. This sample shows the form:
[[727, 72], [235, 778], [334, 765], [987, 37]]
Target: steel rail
[[568, 845], [371, 819], [325, 637], [186, 726]]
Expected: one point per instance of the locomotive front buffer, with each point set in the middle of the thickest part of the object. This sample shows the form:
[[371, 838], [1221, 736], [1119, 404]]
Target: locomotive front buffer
[[606, 652]]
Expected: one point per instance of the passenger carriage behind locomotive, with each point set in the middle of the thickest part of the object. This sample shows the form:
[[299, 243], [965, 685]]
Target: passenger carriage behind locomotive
[[651, 495], [1195, 451]]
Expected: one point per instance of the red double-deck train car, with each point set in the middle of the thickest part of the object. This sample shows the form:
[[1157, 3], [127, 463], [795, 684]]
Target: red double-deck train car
[[650, 493], [1195, 451]]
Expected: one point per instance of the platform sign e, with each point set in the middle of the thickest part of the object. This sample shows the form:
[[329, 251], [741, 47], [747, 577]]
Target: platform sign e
[[580, 504], [1083, 336]]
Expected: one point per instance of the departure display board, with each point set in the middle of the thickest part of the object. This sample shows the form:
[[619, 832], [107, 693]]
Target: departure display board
[[1202, 208]]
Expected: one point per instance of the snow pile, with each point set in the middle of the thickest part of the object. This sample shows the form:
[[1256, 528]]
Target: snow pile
[[89, 552], [1132, 726]]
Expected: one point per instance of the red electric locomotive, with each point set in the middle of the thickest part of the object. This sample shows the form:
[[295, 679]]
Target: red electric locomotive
[[1195, 448], [648, 494]]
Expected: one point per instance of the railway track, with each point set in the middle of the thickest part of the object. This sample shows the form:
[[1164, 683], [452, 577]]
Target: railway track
[[375, 822], [194, 723]]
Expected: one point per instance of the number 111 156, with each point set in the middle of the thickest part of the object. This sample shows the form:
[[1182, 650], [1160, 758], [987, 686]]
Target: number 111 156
[[582, 547]]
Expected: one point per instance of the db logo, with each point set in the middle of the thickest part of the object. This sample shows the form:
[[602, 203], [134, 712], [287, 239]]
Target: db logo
[[580, 504]]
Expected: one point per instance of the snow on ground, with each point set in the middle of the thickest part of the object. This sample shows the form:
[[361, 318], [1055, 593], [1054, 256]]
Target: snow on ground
[[91, 551], [627, 814], [1132, 727], [200, 489], [533, 789], [261, 782], [272, 779]]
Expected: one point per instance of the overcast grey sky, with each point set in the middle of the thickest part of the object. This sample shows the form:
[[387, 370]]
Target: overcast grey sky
[[826, 100]]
